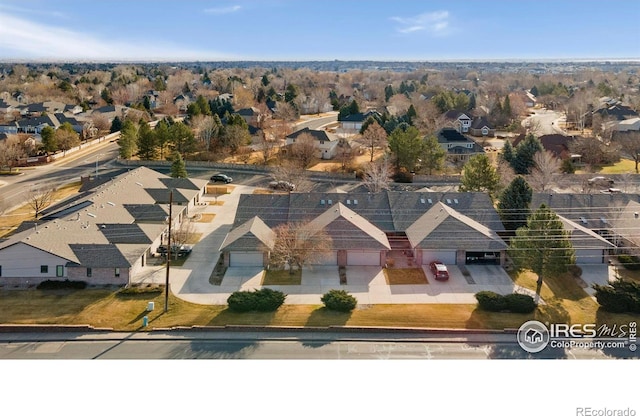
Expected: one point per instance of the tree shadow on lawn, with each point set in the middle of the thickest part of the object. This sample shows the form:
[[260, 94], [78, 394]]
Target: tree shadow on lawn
[[228, 317], [565, 286], [323, 317]]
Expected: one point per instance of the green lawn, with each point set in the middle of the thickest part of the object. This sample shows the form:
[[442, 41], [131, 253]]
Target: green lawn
[[281, 277], [623, 166]]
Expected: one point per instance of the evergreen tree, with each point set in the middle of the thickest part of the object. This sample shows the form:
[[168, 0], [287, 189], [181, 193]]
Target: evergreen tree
[[479, 175], [507, 152], [506, 108], [128, 140], [203, 105], [534, 91], [433, 155], [182, 139], [49, 143], [513, 206], [407, 146], [388, 92], [147, 144], [178, 167], [543, 246], [523, 160], [411, 114], [116, 125], [291, 93], [265, 80], [162, 136], [472, 102]]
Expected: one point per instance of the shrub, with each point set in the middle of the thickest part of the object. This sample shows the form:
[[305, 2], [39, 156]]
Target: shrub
[[520, 303], [138, 290], [403, 176], [619, 297], [574, 270], [491, 301], [339, 300], [514, 302], [262, 300], [629, 262], [268, 299], [61, 284]]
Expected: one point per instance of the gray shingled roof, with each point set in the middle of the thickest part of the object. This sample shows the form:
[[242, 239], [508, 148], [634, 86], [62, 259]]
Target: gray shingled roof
[[319, 135], [111, 205], [98, 256], [348, 230], [582, 237], [442, 227], [253, 235], [124, 233]]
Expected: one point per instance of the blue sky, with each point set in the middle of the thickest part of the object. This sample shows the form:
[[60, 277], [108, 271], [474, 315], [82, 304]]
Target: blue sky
[[318, 30]]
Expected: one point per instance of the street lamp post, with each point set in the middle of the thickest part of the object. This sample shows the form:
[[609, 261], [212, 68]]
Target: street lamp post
[[166, 289]]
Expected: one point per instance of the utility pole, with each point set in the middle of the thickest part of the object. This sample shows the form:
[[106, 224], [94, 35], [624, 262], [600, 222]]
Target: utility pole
[[166, 289]]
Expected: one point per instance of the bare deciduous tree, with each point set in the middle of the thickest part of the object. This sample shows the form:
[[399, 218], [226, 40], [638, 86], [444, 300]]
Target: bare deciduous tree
[[377, 175], [304, 149], [545, 171], [505, 172], [374, 136], [10, 151], [205, 129], [39, 199], [297, 245], [629, 143]]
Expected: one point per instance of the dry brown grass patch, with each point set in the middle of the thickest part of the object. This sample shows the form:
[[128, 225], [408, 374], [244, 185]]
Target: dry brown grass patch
[[206, 217], [413, 276]]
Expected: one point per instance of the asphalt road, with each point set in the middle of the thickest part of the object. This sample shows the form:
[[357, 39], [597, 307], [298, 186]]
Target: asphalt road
[[284, 345], [545, 122], [68, 169]]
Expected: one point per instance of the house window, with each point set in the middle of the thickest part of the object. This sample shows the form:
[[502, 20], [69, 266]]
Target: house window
[[59, 271], [117, 271], [89, 271], [321, 141], [44, 269]]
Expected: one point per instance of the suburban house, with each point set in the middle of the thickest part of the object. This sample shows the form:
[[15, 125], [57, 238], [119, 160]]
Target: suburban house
[[459, 120], [182, 101], [354, 121], [557, 144], [250, 115], [103, 237], [612, 216], [481, 127], [36, 124], [458, 146], [326, 143], [631, 124], [368, 229]]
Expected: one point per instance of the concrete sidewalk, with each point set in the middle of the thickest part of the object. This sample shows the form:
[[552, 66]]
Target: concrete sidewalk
[[367, 284]]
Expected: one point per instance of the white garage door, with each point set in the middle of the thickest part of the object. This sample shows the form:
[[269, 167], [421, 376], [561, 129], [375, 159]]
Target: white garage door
[[328, 259], [589, 257], [446, 257], [363, 258], [239, 259]]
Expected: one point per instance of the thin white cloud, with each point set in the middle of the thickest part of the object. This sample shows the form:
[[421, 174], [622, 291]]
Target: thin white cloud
[[437, 23], [223, 10], [24, 39]]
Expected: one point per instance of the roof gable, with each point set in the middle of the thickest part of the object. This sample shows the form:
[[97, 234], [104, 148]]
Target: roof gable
[[251, 234], [349, 221], [443, 226]]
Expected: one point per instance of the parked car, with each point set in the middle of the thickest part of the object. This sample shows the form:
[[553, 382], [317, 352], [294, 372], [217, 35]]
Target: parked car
[[282, 185], [221, 177], [182, 250], [600, 180], [439, 270]]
